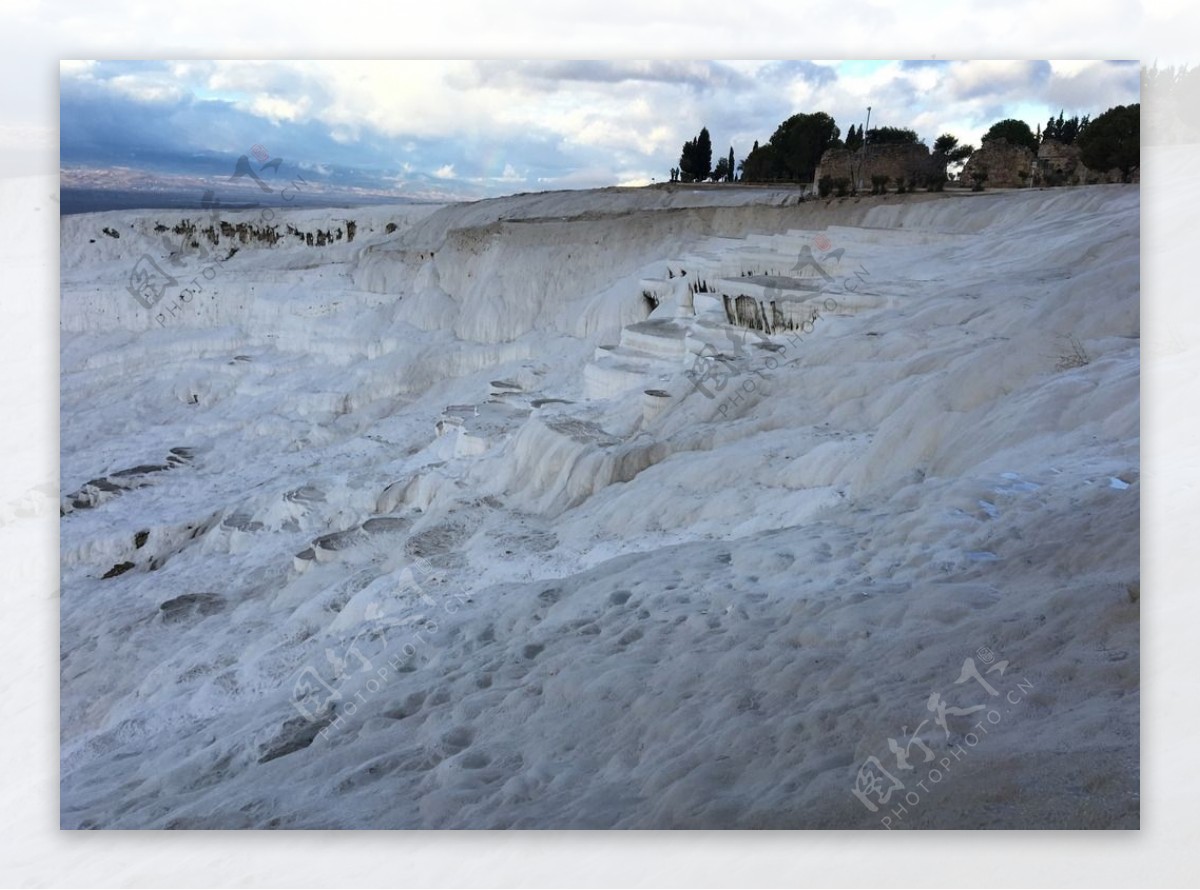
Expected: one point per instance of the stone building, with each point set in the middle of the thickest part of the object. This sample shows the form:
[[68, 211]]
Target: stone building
[[1006, 165], [1059, 164], [908, 162]]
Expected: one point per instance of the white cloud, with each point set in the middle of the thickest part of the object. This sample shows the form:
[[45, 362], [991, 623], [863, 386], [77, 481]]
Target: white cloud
[[276, 109], [607, 119], [147, 89], [975, 80]]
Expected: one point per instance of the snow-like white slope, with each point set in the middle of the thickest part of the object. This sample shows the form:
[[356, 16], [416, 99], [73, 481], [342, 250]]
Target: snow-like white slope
[[496, 520]]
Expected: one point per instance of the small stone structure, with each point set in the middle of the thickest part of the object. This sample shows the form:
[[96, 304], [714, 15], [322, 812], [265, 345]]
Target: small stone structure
[[908, 162], [1006, 165], [1059, 164]]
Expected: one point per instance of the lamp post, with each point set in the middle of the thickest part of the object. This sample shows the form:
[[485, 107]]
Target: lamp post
[[863, 160]]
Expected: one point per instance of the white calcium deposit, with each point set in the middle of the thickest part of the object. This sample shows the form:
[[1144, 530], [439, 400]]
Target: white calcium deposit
[[496, 521]]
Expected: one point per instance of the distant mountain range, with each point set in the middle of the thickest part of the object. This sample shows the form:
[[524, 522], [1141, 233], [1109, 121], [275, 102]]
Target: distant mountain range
[[95, 189]]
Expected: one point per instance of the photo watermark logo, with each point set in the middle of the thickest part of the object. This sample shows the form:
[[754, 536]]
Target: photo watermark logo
[[149, 283], [330, 701], [712, 370], [874, 785]]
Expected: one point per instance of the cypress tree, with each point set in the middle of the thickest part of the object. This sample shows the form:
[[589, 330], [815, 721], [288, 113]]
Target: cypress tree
[[695, 162]]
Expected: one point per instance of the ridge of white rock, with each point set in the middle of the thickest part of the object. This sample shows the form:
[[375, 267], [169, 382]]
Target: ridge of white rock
[[625, 508]]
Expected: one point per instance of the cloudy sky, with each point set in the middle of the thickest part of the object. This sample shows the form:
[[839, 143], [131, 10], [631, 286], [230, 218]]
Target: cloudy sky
[[474, 129]]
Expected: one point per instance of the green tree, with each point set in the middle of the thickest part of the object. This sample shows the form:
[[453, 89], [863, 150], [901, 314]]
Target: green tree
[[703, 154], [721, 171], [799, 142], [695, 161], [892, 136], [945, 143], [947, 151], [1113, 140], [760, 165], [1064, 130], [1015, 131], [732, 170], [854, 138]]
